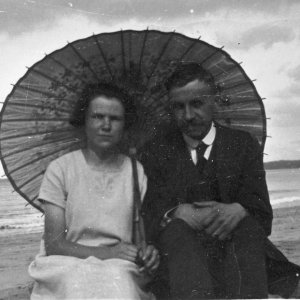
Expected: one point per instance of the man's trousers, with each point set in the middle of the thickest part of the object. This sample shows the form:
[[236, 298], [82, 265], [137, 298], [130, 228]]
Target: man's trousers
[[197, 266]]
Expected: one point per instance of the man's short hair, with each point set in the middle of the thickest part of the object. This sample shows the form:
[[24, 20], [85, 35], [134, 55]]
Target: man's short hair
[[187, 72]]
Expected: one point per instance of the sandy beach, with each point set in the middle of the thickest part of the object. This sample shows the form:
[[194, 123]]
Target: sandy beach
[[21, 230], [18, 250]]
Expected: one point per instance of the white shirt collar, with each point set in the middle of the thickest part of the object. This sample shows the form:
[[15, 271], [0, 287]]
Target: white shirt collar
[[208, 139]]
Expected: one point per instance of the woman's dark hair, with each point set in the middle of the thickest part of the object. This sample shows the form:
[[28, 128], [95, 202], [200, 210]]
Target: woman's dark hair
[[186, 72], [90, 92]]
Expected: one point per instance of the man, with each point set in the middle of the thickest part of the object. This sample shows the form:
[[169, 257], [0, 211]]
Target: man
[[207, 207]]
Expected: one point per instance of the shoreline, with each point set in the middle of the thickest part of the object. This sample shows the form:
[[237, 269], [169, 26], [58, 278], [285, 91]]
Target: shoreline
[[18, 251]]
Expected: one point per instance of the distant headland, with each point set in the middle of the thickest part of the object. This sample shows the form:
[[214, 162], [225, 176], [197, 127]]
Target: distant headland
[[282, 164]]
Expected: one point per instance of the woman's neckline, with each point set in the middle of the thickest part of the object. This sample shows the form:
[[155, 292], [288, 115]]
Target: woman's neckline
[[113, 164]]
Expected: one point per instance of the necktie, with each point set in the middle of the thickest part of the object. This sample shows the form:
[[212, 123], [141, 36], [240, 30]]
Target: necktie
[[201, 161]]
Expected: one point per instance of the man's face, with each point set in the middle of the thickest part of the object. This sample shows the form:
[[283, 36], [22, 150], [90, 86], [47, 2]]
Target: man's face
[[193, 107]]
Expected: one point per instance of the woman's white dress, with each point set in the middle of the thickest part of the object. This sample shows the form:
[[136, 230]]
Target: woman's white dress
[[98, 205]]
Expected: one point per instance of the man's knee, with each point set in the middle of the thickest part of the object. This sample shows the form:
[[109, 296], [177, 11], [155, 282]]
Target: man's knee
[[249, 229], [249, 238], [177, 236], [176, 230]]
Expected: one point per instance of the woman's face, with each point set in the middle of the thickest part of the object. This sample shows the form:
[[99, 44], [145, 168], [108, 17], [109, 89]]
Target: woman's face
[[104, 124]]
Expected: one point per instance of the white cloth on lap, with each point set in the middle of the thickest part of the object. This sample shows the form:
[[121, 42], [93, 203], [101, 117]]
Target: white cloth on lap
[[98, 205], [66, 277]]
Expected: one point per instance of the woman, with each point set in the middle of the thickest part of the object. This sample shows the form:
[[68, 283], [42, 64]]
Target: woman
[[88, 202]]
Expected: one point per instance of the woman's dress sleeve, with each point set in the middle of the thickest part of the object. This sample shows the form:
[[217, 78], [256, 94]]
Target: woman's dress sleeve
[[53, 188]]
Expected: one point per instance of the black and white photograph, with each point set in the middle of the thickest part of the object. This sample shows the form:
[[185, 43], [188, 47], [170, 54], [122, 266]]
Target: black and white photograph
[[149, 149]]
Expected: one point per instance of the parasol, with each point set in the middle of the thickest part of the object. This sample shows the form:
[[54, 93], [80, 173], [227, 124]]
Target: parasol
[[35, 116]]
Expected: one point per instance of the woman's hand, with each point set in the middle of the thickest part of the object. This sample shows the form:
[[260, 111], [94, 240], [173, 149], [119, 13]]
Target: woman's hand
[[125, 251], [150, 258]]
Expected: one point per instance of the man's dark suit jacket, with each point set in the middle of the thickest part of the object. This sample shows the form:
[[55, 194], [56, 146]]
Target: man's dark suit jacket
[[237, 169]]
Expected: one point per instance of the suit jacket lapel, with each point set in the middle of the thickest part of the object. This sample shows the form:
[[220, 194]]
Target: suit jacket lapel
[[185, 174], [224, 161]]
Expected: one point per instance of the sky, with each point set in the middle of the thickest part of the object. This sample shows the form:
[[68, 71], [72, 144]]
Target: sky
[[263, 34]]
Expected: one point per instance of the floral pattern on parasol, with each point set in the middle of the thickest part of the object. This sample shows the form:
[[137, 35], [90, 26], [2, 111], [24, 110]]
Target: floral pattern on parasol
[[35, 116]]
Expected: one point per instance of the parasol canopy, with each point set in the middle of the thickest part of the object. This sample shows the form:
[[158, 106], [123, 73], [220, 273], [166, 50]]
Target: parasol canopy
[[35, 127]]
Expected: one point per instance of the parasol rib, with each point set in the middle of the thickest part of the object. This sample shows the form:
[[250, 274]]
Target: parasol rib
[[154, 104], [145, 125], [238, 118], [38, 106], [241, 110], [151, 102], [22, 104], [36, 120], [104, 57], [236, 102], [150, 112], [235, 86], [66, 68], [23, 149], [36, 133], [31, 179], [54, 80], [15, 98], [254, 127], [130, 48], [31, 202], [154, 101], [49, 95], [84, 61], [227, 71], [142, 51], [160, 56], [123, 53], [42, 157], [210, 56], [188, 50], [178, 61]]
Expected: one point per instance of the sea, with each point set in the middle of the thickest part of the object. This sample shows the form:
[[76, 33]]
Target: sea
[[18, 218]]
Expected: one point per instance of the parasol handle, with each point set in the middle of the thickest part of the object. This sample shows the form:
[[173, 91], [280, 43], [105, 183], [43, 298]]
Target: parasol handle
[[138, 234]]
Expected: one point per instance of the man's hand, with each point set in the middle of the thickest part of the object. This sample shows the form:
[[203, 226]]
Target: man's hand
[[228, 217], [150, 258], [196, 218]]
